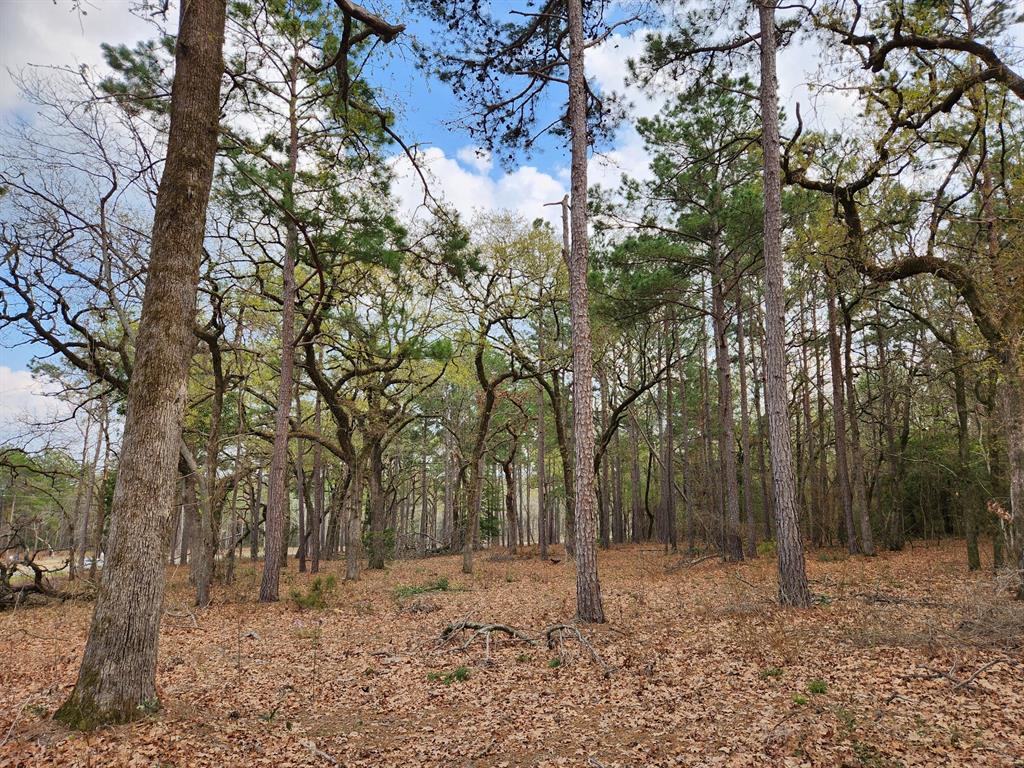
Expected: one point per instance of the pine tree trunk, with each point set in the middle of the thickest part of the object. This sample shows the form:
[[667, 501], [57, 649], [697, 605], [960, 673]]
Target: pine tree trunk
[[588, 588], [733, 541], [276, 538], [792, 573], [117, 679]]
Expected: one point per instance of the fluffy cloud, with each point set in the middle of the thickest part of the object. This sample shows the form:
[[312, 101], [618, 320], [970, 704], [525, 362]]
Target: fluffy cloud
[[470, 184], [54, 32]]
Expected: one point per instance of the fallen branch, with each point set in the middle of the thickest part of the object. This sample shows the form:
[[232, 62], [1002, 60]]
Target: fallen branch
[[550, 635], [688, 563], [935, 674], [562, 628], [478, 629]]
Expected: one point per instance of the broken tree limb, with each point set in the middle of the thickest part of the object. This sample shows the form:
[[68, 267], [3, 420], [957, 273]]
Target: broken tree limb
[[551, 635]]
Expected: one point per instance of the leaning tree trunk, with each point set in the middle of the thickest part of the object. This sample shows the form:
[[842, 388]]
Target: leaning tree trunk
[[588, 588], [117, 679], [792, 572]]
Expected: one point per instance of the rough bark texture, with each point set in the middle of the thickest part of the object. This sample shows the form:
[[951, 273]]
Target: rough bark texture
[[792, 573], [117, 679], [277, 483], [588, 588]]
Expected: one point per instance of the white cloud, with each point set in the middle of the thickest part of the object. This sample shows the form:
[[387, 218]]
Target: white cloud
[[26, 401], [470, 187], [477, 158], [48, 33]]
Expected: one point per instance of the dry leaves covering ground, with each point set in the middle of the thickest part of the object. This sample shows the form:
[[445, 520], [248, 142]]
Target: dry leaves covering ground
[[907, 660]]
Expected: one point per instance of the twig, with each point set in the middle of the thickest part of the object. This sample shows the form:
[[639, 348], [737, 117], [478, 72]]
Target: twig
[[311, 746]]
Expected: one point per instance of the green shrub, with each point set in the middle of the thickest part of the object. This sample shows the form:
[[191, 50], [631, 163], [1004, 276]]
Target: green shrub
[[555, 663], [799, 699], [766, 548], [817, 687], [316, 596], [771, 672]]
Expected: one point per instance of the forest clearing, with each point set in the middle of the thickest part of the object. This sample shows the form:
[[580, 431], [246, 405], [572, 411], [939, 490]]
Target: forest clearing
[[906, 659], [526, 383]]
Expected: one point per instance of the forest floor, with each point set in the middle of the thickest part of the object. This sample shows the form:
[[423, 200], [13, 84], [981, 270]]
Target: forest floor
[[906, 660]]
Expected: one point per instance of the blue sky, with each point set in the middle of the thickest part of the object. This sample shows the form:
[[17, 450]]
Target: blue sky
[[47, 33]]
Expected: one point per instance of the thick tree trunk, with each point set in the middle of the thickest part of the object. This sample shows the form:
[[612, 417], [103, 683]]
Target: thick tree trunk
[[792, 573], [116, 681], [588, 588]]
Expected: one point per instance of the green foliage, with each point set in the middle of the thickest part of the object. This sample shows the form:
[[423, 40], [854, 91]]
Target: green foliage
[[315, 598], [439, 584], [766, 548], [771, 672], [490, 526], [817, 687], [457, 675], [799, 699], [555, 663]]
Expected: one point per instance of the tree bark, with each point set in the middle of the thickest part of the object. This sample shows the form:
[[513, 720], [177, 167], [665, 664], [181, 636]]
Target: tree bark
[[792, 572], [117, 679], [588, 587], [733, 541], [275, 539]]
